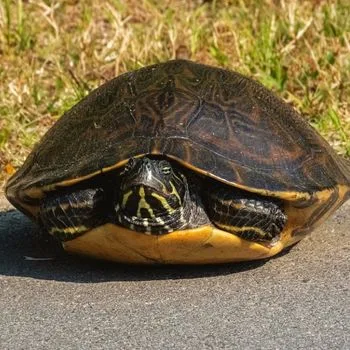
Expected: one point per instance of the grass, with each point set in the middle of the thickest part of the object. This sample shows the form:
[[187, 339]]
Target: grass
[[53, 53]]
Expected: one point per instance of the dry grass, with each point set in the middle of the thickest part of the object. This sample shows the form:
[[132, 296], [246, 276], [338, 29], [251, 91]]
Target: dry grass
[[52, 53]]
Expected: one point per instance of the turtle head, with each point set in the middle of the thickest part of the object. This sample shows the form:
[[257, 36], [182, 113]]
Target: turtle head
[[150, 189]]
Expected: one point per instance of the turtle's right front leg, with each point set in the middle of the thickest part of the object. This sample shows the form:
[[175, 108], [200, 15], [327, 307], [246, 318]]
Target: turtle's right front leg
[[71, 214]]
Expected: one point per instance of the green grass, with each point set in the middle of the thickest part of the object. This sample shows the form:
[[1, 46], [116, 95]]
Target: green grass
[[53, 53]]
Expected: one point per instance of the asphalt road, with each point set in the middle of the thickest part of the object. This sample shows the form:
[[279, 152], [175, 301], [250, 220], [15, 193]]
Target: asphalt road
[[299, 300]]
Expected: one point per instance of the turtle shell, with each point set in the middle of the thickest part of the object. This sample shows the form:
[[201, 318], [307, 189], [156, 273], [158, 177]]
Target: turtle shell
[[214, 121]]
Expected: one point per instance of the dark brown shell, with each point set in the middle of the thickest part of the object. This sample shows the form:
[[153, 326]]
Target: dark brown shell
[[213, 120]]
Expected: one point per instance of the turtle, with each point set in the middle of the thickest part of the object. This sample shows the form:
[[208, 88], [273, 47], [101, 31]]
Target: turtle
[[180, 163]]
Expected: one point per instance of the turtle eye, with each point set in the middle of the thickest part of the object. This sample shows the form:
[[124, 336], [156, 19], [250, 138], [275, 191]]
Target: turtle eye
[[165, 167]]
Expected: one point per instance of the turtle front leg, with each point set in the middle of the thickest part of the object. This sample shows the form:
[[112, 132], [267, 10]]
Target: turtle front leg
[[247, 215], [71, 214]]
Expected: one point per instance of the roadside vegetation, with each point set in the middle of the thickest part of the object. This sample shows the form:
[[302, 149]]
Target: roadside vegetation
[[52, 53]]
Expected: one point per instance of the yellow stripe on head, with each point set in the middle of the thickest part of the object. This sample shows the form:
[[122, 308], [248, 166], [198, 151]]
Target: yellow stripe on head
[[164, 202], [143, 204], [174, 192], [125, 198]]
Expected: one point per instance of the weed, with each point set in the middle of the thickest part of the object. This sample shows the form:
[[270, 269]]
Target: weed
[[53, 53]]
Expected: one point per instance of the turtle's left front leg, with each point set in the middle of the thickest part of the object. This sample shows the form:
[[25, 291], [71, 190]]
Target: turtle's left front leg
[[245, 214]]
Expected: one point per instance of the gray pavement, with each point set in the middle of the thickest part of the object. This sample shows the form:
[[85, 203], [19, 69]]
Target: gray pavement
[[299, 300]]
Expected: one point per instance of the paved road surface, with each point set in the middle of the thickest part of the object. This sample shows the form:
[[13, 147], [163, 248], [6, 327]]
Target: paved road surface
[[300, 300]]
